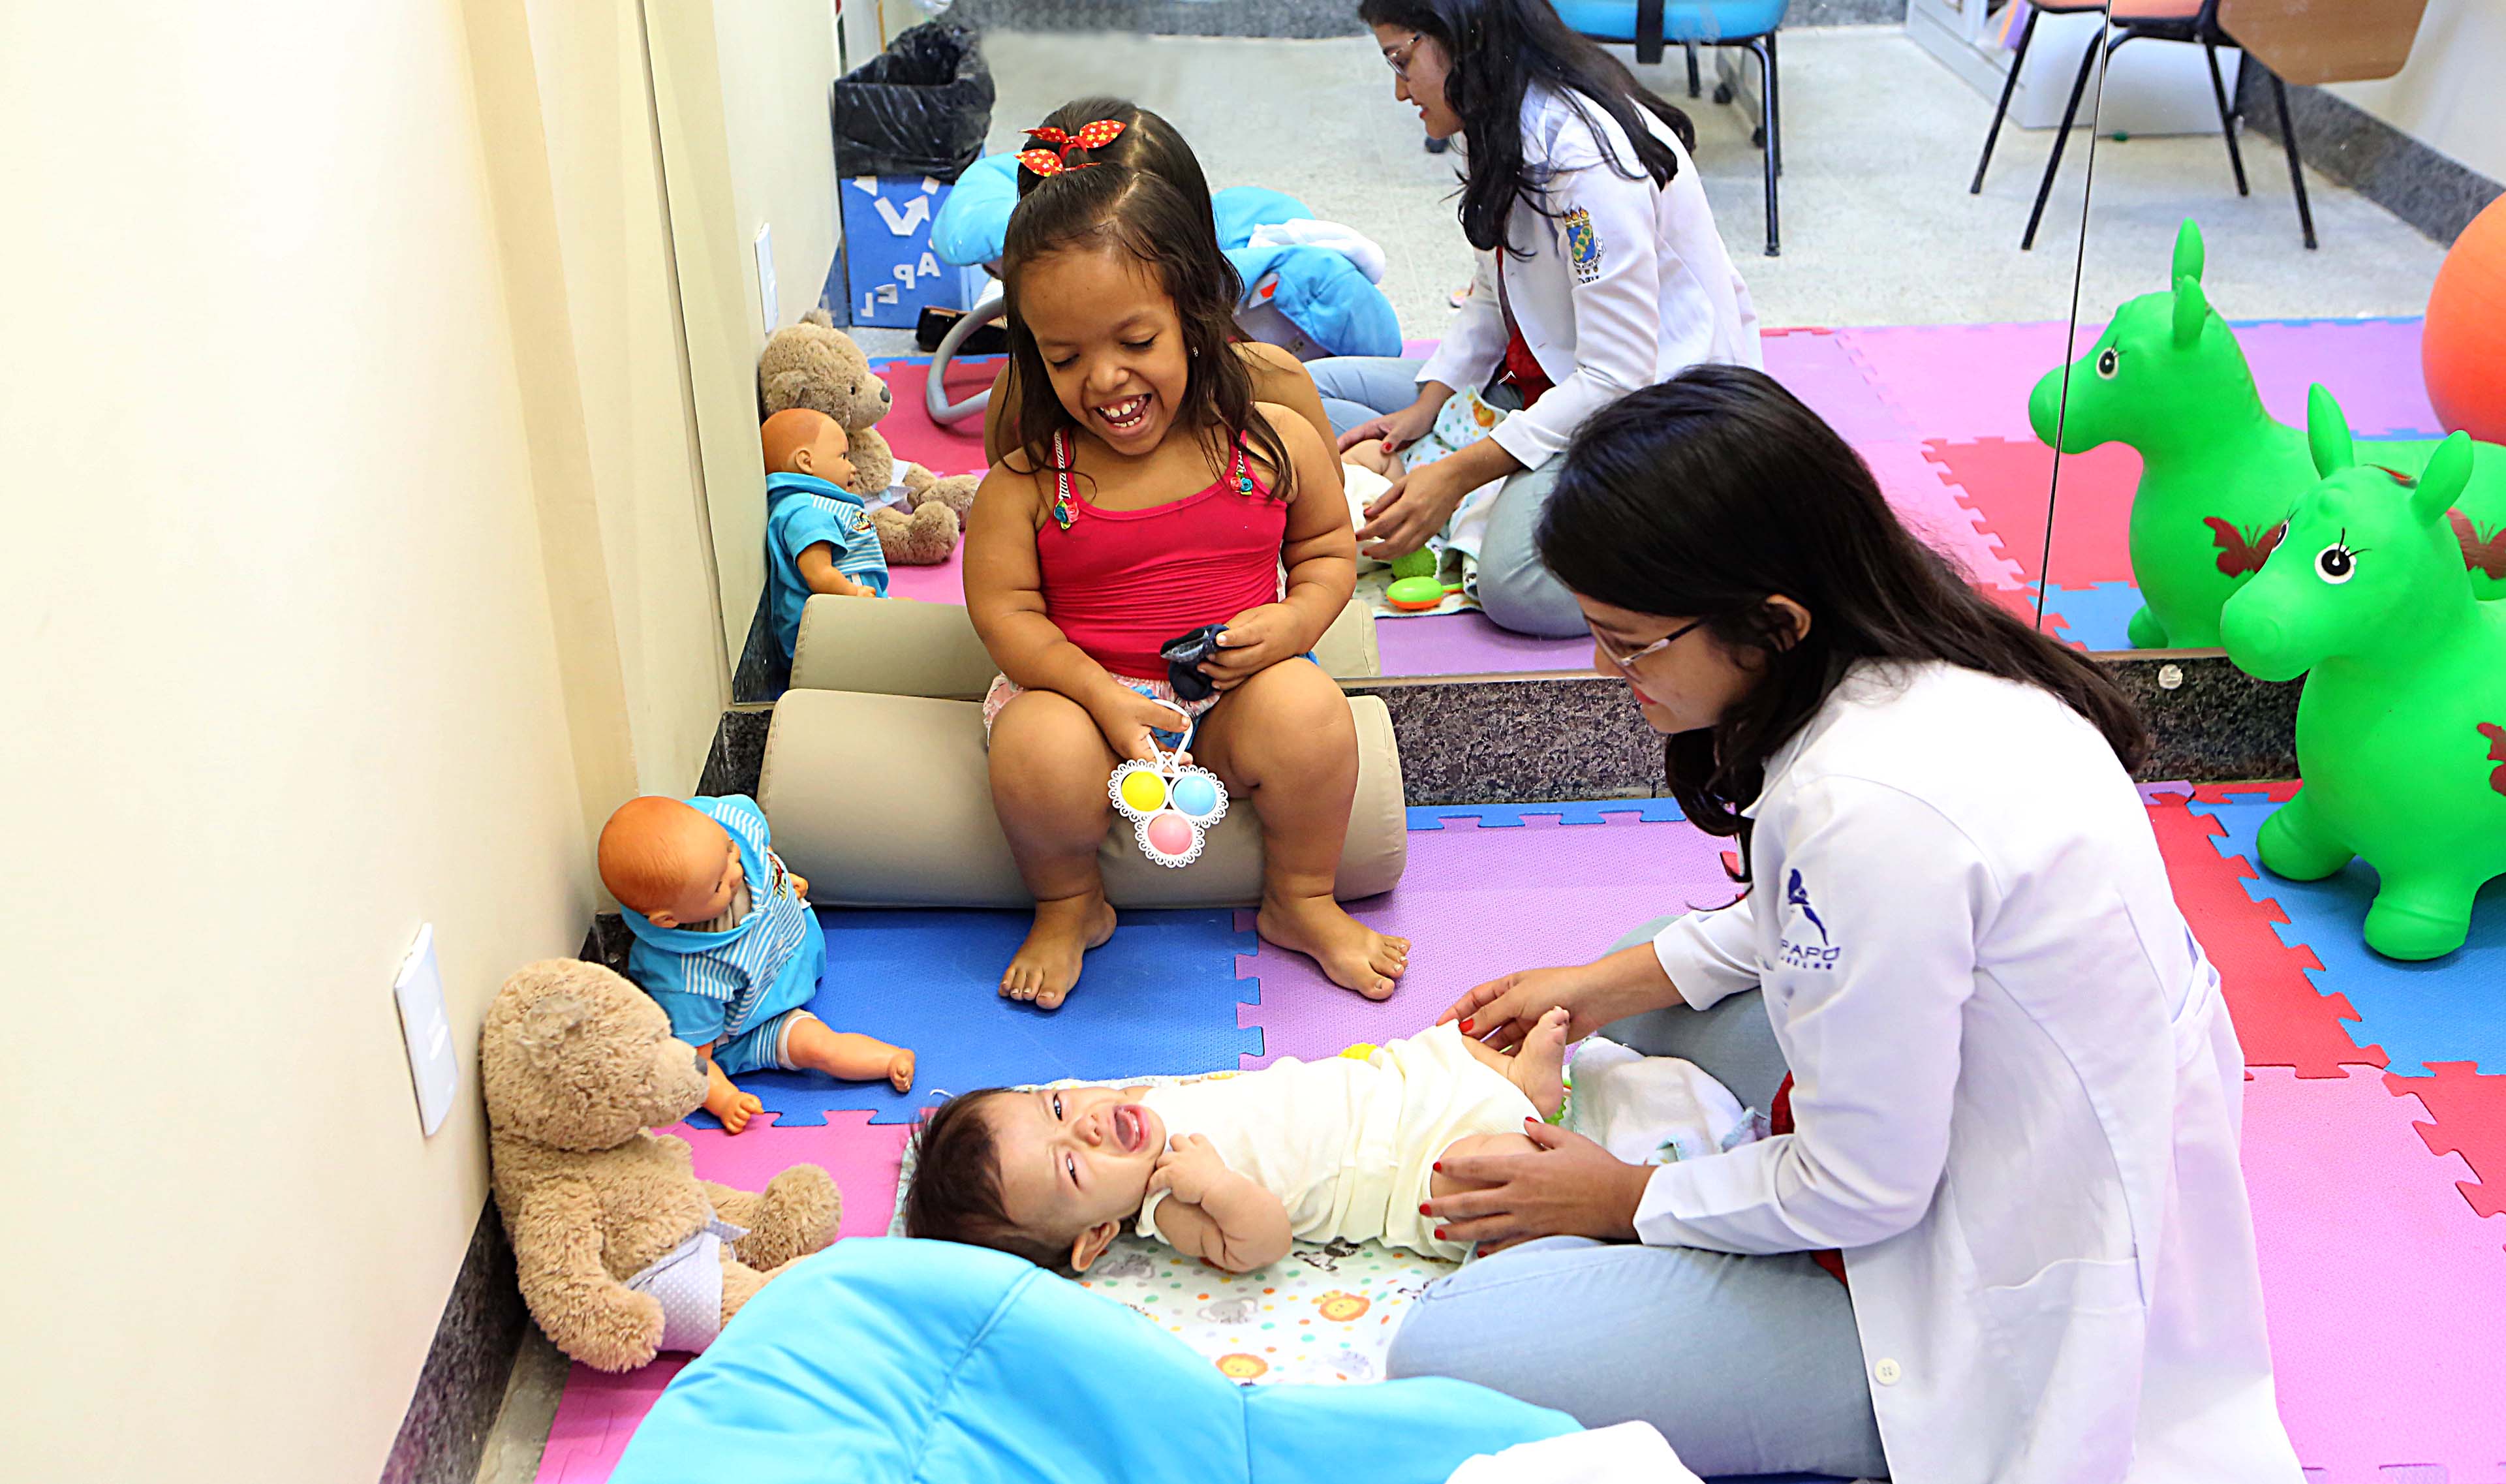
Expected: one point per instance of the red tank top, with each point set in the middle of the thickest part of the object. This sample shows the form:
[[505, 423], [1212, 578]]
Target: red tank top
[[1121, 583]]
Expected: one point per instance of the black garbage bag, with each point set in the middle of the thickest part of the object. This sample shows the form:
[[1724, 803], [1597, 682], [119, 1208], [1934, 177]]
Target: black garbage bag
[[921, 107]]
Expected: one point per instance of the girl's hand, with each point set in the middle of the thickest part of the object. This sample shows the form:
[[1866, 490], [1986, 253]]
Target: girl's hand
[[1126, 719], [1416, 508], [1570, 1188], [1502, 1011], [1398, 430], [1254, 641], [1189, 1168]]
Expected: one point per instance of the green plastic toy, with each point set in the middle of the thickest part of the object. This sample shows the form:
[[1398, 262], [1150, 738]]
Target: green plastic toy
[[2401, 731], [1421, 562], [2218, 472]]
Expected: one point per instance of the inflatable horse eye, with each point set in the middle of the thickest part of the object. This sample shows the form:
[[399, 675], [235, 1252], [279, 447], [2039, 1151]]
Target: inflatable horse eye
[[2336, 564], [1172, 804], [2108, 362]]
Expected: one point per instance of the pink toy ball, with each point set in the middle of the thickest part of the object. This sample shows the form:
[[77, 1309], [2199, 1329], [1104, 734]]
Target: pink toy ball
[[2462, 349], [1171, 833]]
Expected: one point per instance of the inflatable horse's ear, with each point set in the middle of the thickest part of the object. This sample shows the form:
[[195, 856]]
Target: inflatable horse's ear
[[2443, 481], [2192, 311], [2327, 433], [2188, 251]]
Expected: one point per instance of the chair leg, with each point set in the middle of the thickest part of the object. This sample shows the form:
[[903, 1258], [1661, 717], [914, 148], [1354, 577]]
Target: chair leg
[[2296, 168], [1695, 84], [2227, 115], [2054, 162], [1765, 47], [2017, 59]]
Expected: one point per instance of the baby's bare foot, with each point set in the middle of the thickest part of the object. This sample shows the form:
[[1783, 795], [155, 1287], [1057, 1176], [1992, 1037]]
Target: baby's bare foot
[[900, 1071], [1539, 1067], [1047, 964], [732, 1106], [1351, 955]]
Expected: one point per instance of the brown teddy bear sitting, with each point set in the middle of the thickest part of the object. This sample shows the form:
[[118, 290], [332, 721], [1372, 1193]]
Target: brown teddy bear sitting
[[622, 1252], [814, 365]]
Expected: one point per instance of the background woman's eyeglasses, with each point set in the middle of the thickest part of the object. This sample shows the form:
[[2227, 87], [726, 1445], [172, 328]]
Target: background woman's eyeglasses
[[1626, 663], [1399, 61]]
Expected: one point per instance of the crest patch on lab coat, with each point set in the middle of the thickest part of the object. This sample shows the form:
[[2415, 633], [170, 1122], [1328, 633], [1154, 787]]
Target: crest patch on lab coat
[[1583, 244]]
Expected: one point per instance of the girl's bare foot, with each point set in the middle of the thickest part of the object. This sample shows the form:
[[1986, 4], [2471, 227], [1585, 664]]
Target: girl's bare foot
[[1351, 955], [1047, 964], [1539, 1067], [900, 1071]]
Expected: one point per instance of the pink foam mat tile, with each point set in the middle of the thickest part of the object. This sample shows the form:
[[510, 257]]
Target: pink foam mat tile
[[1479, 902], [1953, 382], [909, 430], [1919, 490], [1814, 366], [599, 1412], [940, 583], [2016, 489], [2385, 1294], [2371, 366]]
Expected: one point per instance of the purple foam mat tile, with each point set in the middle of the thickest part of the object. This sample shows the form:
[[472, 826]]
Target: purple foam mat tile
[[1476, 903], [1962, 381], [1814, 366], [1469, 644], [2371, 366], [1923, 497]]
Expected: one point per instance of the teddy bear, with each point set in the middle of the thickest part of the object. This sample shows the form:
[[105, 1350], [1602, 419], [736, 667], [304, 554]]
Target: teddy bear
[[621, 1251], [814, 365]]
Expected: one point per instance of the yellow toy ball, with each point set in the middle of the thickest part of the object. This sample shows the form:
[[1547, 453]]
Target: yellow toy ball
[[1144, 791]]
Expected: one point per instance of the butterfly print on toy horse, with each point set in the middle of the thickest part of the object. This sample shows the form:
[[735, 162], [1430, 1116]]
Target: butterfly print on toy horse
[[2484, 555], [2242, 551]]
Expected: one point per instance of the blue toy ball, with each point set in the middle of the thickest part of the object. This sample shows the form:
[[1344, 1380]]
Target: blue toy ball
[[1195, 795]]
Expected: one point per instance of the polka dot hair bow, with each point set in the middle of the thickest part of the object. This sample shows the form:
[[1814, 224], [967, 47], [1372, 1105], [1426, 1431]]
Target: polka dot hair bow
[[1055, 159]]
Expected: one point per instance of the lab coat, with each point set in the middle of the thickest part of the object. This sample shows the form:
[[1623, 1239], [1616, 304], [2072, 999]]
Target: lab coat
[[1627, 284], [2016, 1092]]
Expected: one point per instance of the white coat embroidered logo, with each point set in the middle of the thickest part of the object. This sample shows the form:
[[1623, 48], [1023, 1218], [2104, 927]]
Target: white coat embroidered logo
[[1583, 244], [1799, 951]]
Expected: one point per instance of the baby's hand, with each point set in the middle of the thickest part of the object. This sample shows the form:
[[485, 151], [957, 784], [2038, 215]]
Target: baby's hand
[[800, 885], [1189, 1168]]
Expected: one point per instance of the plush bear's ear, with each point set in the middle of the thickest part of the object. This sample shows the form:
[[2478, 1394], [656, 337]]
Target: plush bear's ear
[[821, 317], [549, 1025]]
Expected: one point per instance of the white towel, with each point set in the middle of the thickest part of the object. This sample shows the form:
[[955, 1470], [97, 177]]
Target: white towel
[[1305, 232], [1651, 1111], [1630, 1453]]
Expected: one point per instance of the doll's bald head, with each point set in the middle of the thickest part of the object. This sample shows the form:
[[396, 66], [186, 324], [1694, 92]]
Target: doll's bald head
[[667, 860], [801, 440]]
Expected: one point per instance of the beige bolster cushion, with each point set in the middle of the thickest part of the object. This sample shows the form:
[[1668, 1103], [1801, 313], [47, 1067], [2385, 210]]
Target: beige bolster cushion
[[890, 647], [885, 800]]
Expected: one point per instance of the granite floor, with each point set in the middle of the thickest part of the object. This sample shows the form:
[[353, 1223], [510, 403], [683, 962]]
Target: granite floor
[[1878, 228]]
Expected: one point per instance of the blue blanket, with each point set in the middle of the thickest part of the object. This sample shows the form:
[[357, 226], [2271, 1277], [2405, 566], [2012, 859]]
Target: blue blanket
[[883, 1361]]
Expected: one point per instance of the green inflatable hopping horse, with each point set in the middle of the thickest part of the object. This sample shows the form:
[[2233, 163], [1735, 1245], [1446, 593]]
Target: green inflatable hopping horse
[[2218, 472], [2401, 731]]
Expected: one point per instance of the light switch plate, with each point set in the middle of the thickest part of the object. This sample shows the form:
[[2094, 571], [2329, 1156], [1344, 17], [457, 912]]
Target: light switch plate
[[765, 298], [432, 1065]]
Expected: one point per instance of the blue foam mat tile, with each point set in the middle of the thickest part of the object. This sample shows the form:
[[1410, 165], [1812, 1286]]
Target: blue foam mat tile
[[2452, 1009], [2096, 617], [1513, 815], [1160, 996]]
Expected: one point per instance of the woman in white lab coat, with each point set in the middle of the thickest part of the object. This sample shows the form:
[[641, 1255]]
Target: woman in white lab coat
[[2014, 1091], [1599, 270]]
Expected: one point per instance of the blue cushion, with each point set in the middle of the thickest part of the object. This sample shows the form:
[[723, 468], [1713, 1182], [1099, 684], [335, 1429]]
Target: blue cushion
[[976, 217], [1702, 21], [883, 1361]]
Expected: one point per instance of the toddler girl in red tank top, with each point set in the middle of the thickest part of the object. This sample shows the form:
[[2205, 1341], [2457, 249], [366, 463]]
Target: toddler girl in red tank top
[[1151, 495]]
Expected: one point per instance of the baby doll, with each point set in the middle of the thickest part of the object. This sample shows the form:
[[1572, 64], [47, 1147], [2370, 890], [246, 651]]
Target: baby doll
[[1465, 418], [1232, 1170], [819, 536], [725, 940]]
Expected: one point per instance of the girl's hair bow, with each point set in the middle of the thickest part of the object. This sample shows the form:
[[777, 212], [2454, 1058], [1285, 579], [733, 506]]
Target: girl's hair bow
[[1056, 159]]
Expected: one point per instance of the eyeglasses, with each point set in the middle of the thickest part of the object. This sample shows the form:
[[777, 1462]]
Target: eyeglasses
[[1626, 663], [1399, 61]]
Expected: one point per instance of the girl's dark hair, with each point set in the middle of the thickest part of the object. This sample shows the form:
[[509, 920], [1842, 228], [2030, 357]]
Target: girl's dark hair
[[957, 1191], [1108, 207], [1498, 51], [1708, 495], [1147, 143]]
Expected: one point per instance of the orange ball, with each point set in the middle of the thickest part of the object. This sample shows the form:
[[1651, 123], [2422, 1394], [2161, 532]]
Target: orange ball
[[2463, 350]]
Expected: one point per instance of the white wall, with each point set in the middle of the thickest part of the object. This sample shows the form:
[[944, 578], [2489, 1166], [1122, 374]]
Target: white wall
[[355, 567], [2448, 96]]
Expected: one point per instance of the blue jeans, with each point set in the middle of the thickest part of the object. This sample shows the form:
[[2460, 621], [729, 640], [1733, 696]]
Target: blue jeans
[[1516, 591], [1747, 1364]]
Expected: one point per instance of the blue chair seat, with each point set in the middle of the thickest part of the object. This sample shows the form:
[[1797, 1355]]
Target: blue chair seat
[[1703, 21]]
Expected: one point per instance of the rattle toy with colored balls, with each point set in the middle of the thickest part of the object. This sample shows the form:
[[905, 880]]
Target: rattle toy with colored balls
[[1172, 804]]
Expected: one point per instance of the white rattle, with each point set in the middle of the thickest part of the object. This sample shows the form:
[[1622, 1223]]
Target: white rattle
[[1172, 804]]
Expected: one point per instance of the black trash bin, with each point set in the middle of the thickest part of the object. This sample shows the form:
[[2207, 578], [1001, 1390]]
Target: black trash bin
[[921, 107]]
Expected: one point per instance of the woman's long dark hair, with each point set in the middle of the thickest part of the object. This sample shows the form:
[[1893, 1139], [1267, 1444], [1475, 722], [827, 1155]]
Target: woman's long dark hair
[[1109, 208], [1708, 495], [1498, 51]]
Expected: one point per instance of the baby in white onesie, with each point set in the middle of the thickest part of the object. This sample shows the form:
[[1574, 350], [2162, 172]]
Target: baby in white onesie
[[1232, 1170]]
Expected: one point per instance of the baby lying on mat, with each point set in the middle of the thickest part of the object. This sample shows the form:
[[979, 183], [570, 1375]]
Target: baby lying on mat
[[1232, 1170]]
